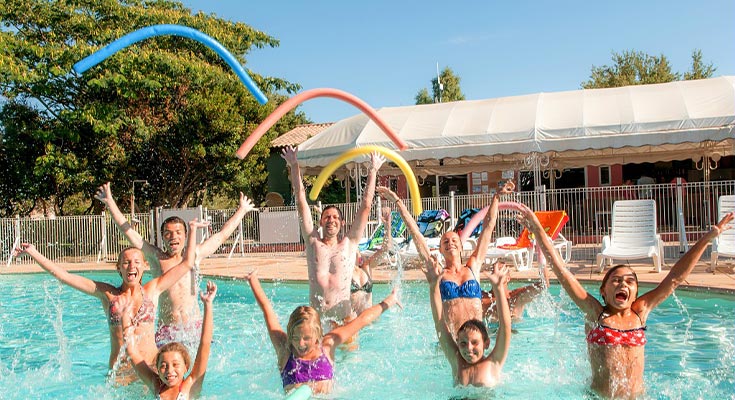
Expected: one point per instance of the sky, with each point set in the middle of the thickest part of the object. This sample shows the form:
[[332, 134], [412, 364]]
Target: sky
[[384, 52]]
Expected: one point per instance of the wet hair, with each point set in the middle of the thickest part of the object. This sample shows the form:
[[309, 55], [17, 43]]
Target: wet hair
[[477, 326], [341, 217], [174, 220], [174, 347], [304, 315], [613, 269]]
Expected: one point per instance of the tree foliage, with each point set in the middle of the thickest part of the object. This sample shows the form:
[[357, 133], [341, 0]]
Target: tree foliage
[[638, 68], [167, 110], [448, 91]]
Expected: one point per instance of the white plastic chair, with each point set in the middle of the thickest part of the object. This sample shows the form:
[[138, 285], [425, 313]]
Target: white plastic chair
[[633, 234], [564, 247], [723, 245], [522, 257]]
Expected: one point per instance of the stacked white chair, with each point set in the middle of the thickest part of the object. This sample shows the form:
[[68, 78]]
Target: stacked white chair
[[633, 234], [723, 245]]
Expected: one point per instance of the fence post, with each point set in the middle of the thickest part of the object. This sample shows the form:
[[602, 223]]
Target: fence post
[[683, 242], [103, 243], [452, 213]]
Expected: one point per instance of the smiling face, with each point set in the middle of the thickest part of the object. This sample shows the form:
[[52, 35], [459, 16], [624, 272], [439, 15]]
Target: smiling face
[[174, 237], [619, 288], [472, 343], [130, 265], [172, 368], [331, 222], [450, 245], [303, 340]]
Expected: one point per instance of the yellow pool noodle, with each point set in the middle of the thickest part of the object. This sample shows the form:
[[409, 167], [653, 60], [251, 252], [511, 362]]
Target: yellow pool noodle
[[413, 187]]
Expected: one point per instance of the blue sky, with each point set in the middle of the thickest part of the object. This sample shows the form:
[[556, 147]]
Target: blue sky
[[386, 51]]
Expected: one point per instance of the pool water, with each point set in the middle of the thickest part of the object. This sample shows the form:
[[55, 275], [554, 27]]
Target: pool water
[[54, 344]]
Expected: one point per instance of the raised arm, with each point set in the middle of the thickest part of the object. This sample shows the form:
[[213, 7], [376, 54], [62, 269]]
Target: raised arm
[[384, 250], [502, 341], [488, 226], [104, 194], [340, 334], [307, 224], [446, 338], [421, 247], [363, 212], [147, 374], [275, 331], [209, 246], [205, 342], [585, 301], [165, 281], [681, 270], [77, 282]]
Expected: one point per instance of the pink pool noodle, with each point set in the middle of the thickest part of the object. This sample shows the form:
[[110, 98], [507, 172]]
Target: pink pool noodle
[[291, 103]]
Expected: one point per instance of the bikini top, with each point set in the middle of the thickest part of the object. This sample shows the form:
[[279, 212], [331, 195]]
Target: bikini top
[[604, 335], [469, 289], [367, 287], [298, 371], [180, 396], [146, 312]]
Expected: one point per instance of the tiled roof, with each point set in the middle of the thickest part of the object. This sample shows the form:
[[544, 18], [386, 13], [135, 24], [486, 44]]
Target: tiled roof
[[299, 134]]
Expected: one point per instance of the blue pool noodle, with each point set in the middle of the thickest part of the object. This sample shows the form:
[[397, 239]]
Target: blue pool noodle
[[167, 29]]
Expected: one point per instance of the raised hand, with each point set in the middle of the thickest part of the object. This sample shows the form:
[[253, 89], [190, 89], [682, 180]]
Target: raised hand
[[508, 187], [377, 160], [386, 193], [195, 223], [289, 154], [497, 273], [725, 223], [392, 299], [104, 193], [208, 296], [22, 248], [246, 203]]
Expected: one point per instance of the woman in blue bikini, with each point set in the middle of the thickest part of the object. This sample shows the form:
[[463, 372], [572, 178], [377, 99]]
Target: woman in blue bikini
[[459, 285]]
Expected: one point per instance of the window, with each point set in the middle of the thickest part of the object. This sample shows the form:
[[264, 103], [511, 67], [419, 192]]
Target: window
[[605, 175]]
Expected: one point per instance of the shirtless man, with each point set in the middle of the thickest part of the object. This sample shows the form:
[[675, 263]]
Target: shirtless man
[[179, 318], [331, 259]]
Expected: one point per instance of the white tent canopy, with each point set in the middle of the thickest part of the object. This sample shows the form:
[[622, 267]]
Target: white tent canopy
[[671, 121]]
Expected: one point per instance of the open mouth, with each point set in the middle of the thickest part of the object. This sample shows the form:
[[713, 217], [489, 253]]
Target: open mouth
[[132, 275], [621, 296]]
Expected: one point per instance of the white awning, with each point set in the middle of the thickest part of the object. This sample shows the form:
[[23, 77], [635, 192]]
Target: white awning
[[671, 121]]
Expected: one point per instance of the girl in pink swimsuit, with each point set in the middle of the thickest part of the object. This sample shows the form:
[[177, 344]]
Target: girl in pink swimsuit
[[305, 356], [615, 329], [130, 265], [168, 380]]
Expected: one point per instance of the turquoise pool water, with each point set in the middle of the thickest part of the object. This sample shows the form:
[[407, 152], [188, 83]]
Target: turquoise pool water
[[54, 344]]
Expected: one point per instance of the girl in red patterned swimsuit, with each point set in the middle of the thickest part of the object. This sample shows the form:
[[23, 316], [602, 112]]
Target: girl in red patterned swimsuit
[[615, 329]]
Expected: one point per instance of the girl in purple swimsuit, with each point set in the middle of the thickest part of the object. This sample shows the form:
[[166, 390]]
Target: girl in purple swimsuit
[[131, 264], [304, 355], [615, 329]]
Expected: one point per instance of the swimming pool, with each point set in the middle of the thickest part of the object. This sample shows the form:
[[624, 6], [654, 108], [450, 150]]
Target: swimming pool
[[54, 344]]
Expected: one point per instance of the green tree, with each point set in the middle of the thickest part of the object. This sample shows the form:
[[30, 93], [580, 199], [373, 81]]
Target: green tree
[[448, 91], [167, 109], [638, 68]]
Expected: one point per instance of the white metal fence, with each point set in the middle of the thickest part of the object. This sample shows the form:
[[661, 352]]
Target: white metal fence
[[684, 213]]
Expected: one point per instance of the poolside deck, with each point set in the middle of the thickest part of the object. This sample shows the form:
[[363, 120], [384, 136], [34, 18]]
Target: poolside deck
[[292, 267]]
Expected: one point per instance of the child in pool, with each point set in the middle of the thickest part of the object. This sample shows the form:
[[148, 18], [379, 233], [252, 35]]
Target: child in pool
[[130, 265], [304, 355], [615, 330], [167, 380], [470, 365]]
